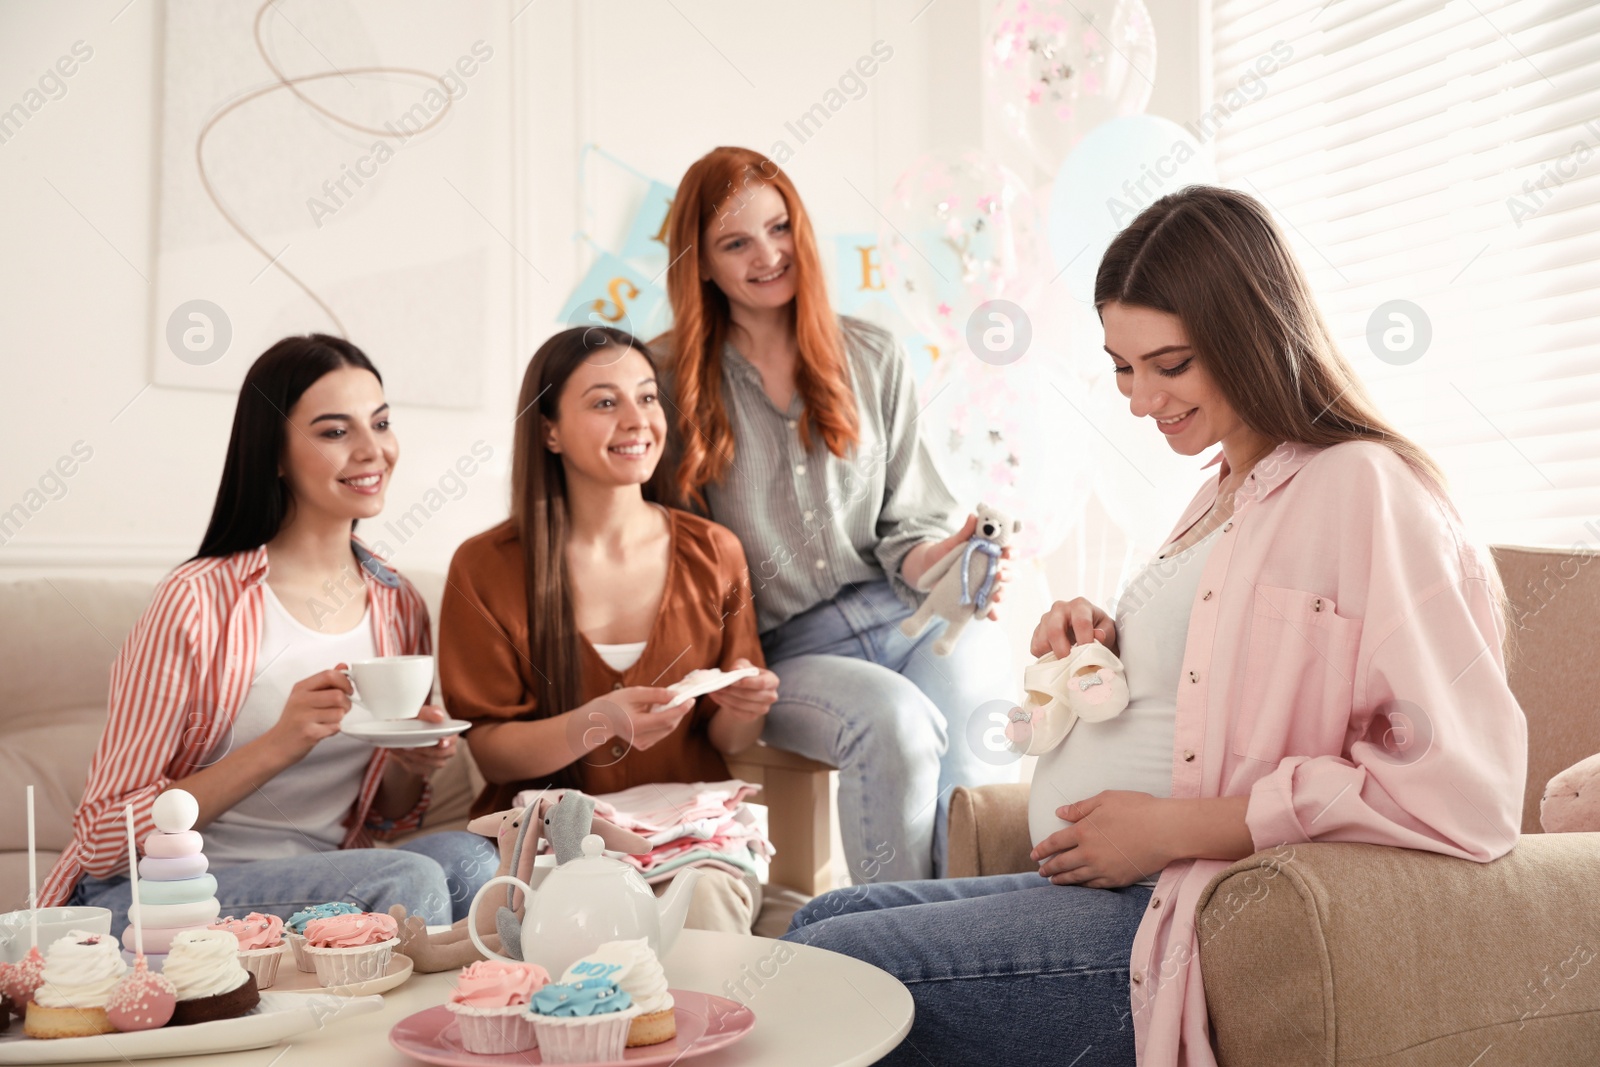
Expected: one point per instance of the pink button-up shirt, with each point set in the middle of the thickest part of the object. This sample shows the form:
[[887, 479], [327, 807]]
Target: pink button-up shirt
[[1341, 603]]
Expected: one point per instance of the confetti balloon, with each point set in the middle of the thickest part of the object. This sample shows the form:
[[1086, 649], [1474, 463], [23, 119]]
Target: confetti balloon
[[1008, 436], [1058, 68], [958, 232]]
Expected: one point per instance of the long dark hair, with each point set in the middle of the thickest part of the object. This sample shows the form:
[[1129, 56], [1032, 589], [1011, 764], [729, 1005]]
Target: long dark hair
[[1215, 258], [539, 514], [252, 501]]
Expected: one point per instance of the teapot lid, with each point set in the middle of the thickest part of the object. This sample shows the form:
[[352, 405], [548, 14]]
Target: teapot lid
[[593, 860]]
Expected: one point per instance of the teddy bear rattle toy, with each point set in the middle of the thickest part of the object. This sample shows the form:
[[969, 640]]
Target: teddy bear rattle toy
[[958, 586]]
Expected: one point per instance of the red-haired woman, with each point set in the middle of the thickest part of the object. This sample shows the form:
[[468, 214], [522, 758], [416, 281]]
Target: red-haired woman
[[797, 429]]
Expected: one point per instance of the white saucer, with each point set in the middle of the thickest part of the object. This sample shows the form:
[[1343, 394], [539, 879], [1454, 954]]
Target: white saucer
[[402, 733]]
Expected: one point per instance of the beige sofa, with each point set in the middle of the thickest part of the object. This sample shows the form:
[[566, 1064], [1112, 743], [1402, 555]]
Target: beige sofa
[[58, 637], [1385, 957]]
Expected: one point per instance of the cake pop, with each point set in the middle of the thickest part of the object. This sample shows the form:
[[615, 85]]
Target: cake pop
[[143, 1000]]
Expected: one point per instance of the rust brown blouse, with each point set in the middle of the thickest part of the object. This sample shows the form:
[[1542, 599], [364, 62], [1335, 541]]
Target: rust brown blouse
[[706, 619]]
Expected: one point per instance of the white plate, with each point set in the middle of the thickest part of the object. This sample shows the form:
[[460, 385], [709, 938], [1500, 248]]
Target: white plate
[[278, 1016], [403, 733]]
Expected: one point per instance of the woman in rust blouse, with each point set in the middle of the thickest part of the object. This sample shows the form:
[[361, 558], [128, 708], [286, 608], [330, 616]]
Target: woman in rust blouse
[[560, 628]]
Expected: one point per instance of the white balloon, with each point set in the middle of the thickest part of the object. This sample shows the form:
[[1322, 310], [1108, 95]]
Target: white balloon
[[175, 811], [1122, 167]]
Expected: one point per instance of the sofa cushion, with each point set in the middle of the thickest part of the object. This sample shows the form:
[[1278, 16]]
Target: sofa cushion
[[58, 638], [55, 761], [14, 876]]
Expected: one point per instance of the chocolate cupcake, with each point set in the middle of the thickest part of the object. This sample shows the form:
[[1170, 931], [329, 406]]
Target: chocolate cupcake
[[212, 984]]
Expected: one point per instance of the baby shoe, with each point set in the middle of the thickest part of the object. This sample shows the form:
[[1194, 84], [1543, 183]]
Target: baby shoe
[[1044, 718], [1096, 684], [1034, 729], [1089, 684]]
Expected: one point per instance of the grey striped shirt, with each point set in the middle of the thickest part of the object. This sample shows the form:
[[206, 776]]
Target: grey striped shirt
[[811, 522]]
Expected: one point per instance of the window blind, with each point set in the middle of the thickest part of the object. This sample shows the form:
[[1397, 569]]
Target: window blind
[[1447, 155]]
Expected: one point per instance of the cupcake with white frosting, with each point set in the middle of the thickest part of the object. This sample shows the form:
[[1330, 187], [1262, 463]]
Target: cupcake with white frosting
[[80, 971], [637, 971], [212, 984]]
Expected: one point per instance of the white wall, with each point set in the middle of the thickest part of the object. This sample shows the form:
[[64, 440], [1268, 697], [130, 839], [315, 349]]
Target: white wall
[[656, 83]]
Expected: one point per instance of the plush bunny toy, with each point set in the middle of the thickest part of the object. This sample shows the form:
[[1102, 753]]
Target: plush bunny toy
[[958, 585], [1571, 801]]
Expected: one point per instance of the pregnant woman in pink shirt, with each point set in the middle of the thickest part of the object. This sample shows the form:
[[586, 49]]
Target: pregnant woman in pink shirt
[[1315, 655]]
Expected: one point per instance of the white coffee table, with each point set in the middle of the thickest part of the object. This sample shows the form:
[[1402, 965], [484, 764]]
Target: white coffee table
[[813, 1008]]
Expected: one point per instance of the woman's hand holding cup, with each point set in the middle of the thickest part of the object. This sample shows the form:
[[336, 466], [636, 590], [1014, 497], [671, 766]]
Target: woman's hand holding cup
[[314, 711]]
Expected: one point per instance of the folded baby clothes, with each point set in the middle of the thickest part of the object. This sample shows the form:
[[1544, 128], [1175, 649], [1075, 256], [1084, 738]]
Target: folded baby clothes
[[1089, 684]]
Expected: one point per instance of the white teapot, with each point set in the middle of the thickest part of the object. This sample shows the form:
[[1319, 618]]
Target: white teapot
[[587, 901]]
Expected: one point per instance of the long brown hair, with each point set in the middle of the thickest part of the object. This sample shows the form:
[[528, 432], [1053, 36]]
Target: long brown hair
[[540, 516], [1214, 258], [700, 321]]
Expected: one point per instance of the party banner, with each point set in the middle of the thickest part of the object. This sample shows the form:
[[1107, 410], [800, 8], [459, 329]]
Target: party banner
[[613, 293], [646, 243], [858, 272]]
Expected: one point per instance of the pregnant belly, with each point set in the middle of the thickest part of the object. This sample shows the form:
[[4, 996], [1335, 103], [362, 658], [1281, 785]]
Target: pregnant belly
[[1132, 751]]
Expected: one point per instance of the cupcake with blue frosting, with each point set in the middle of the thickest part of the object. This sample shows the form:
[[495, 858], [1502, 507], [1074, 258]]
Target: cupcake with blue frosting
[[582, 1022]]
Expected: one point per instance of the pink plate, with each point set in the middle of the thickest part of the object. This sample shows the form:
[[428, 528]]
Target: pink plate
[[705, 1022]]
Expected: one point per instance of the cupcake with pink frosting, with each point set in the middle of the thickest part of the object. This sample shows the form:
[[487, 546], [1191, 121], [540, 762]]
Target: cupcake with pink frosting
[[260, 944], [347, 949], [490, 1004]]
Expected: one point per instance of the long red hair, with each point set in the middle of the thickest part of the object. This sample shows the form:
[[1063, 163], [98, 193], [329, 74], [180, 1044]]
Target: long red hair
[[700, 322]]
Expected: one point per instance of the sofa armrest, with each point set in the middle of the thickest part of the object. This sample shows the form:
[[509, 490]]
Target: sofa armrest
[[988, 831], [1325, 954]]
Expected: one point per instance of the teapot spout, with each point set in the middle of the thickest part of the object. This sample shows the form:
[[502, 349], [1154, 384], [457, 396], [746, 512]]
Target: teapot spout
[[674, 907]]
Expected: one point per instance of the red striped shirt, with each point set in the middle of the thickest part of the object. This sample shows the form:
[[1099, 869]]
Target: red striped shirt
[[176, 688]]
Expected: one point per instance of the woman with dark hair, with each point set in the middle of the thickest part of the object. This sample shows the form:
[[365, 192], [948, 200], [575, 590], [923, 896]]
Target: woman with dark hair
[[561, 627], [798, 431], [1312, 597], [230, 685]]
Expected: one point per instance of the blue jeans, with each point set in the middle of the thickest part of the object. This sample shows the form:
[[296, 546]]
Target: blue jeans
[[894, 717], [434, 876], [1005, 969]]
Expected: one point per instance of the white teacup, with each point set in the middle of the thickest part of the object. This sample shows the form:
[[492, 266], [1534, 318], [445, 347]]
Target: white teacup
[[54, 923], [392, 687]]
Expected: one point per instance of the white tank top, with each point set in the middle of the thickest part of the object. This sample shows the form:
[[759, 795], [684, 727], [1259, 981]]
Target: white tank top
[[1134, 749], [303, 809], [620, 657]]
